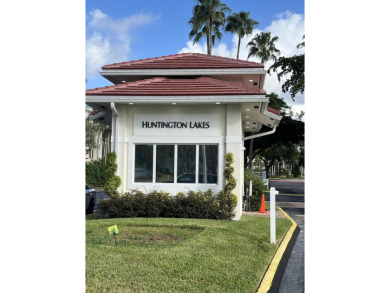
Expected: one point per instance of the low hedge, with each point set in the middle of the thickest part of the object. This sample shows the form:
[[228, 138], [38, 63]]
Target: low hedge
[[193, 204]]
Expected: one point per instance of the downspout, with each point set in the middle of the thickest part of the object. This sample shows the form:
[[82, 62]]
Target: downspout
[[261, 134], [115, 127]]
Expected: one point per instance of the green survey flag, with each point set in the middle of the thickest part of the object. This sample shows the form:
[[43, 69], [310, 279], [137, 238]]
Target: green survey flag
[[113, 230]]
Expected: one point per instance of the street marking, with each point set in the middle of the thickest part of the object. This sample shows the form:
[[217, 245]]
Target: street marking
[[266, 282]]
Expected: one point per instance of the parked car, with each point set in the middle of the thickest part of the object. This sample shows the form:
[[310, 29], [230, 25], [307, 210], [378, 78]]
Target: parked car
[[190, 178], [90, 199]]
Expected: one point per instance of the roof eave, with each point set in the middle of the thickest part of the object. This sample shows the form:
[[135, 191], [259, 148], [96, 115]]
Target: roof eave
[[177, 99]]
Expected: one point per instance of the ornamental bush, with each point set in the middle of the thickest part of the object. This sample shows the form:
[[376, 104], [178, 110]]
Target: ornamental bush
[[95, 173], [226, 199], [112, 182]]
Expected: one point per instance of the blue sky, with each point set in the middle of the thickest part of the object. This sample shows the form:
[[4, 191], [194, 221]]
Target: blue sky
[[121, 30]]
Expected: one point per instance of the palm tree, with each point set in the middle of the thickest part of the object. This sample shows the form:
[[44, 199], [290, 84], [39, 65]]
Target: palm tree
[[263, 46], [207, 17], [241, 24]]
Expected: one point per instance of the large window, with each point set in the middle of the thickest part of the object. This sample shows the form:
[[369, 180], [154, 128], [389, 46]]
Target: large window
[[165, 163], [143, 167], [208, 163], [176, 164], [186, 159]]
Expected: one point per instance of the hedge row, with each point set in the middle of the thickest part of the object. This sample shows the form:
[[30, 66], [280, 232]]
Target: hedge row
[[194, 204]]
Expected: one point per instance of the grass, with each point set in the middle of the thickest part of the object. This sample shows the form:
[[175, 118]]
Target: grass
[[179, 255]]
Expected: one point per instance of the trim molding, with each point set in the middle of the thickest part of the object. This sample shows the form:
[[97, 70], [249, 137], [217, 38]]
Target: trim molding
[[178, 99]]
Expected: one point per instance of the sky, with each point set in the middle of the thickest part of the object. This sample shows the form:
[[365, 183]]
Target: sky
[[123, 30]]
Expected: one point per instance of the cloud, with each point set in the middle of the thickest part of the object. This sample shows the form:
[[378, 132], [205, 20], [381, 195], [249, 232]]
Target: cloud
[[220, 50], [109, 39], [289, 27]]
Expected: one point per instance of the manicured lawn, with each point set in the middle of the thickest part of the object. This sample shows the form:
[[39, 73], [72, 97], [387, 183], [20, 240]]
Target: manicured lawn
[[179, 255]]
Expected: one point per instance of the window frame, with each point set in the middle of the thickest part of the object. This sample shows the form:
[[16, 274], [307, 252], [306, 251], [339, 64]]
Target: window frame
[[197, 144]]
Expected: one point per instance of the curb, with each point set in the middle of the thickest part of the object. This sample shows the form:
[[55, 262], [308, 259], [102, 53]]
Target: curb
[[272, 277]]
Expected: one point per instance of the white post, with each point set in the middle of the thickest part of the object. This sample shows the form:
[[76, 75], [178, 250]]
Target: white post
[[273, 192], [250, 196]]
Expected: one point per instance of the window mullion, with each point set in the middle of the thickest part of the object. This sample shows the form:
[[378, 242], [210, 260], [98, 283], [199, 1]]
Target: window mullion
[[154, 162], [175, 166], [197, 164]]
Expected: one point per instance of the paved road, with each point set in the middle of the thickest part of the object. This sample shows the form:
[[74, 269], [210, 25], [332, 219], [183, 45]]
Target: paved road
[[292, 199]]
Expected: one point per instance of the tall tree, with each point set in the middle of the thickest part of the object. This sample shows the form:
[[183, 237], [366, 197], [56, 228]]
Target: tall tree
[[294, 68], [241, 24], [207, 17], [278, 145], [263, 46]]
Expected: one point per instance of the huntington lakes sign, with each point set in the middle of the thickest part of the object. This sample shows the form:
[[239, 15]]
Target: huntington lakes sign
[[176, 124], [147, 124]]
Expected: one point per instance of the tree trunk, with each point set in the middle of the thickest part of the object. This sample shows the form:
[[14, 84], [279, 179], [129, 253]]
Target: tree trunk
[[267, 167], [210, 34], [238, 49], [208, 44]]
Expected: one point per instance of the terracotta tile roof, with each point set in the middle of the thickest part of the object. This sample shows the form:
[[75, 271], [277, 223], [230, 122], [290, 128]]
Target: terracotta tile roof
[[272, 110], [185, 61], [163, 86]]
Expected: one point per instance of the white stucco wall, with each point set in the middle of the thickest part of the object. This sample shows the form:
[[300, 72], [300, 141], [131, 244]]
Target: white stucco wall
[[228, 137]]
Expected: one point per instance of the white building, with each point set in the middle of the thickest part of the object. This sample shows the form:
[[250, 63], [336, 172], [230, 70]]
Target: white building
[[174, 118]]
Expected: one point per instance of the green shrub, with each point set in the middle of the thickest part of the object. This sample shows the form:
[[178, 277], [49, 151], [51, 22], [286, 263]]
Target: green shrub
[[157, 204], [95, 173], [283, 171], [194, 204], [227, 200], [201, 205], [112, 181], [258, 188]]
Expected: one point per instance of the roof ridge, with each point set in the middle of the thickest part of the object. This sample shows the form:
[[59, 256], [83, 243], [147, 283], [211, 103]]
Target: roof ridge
[[203, 57]]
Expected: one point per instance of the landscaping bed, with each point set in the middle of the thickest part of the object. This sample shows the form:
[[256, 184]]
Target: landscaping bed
[[179, 255]]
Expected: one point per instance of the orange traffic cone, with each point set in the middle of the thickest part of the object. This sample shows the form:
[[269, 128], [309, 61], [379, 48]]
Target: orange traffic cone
[[262, 207]]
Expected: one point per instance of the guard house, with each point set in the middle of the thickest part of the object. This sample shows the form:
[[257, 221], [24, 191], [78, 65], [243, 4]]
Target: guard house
[[174, 118]]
